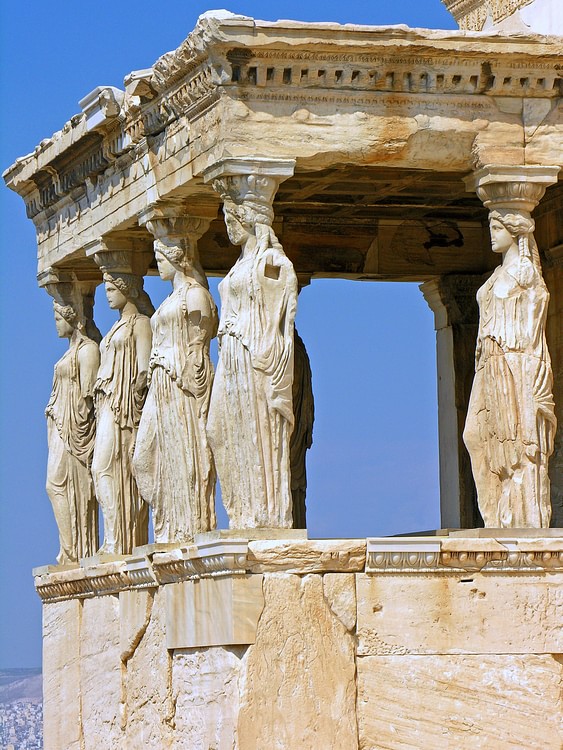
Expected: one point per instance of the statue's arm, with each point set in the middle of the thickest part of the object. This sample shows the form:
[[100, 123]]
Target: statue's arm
[[88, 364], [202, 317], [143, 342]]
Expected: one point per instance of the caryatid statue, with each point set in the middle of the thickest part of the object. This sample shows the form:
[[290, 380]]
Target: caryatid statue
[[172, 462], [71, 423], [511, 423], [119, 393], [251, 414]]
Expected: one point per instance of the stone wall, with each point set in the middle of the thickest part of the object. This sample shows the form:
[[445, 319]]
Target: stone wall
[[437, 642]]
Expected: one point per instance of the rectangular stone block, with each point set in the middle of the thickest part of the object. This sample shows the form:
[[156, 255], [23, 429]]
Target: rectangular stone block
[[302, 556], [205, 685], [456, 702], [61, 675], [213, 611], [441, 614], [100, 673], [298, 681], [148, 712]]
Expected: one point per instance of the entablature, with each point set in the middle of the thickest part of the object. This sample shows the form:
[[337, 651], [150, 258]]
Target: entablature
[[414, 110]]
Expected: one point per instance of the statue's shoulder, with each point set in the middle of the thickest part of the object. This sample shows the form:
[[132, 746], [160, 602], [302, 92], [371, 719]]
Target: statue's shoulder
[[88, 352]]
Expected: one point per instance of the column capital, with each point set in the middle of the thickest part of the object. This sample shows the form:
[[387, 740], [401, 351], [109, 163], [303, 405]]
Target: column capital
[[516, 187], [120, 254], [279, 169], [172, 220], [75, 290], [250, 181], [53, 277]]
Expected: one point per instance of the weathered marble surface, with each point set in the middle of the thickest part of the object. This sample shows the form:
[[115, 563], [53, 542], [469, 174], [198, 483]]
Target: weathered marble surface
[[440, 614], [71, 431], [234, 606], [119, 393], [148, 709], [462, 702], [62, 724], [207, 715], [299, 683], [397, 658], [251, 414], [172, 462], [100, 686]]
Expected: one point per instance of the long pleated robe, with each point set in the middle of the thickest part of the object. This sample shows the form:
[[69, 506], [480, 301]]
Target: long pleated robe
[[119, 403], [251, 413], [70, 431], [511, 421], [172, 462]]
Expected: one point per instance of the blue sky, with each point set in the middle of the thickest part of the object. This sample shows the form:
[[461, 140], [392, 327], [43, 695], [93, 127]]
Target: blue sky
[[373, 468]]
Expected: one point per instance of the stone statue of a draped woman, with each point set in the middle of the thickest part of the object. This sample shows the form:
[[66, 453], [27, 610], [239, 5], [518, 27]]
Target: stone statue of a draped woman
[[251, 413], [511, 421], [120, 391], [172, 462], [71, 430]]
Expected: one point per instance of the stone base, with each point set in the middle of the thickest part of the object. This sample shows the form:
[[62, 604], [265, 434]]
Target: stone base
[[397, 643]]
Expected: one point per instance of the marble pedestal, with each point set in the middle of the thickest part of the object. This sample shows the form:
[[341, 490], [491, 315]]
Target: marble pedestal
[[294, 644]]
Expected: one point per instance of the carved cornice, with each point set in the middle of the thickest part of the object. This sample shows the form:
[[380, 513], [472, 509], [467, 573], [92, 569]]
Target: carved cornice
[[451, 555], [336, 64], [94, 577], [56, 583], [214, 559]]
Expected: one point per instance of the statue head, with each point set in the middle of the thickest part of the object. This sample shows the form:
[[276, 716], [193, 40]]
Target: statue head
[[178, 254], [67, 320], [508, 228], [130, 289]]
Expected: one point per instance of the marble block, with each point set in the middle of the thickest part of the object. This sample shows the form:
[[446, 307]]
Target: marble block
[[61, 675], [472, 614], [213, 611], [505, 702]]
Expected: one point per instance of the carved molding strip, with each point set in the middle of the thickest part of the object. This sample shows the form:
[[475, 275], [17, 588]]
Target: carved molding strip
[[214, 559], [94, 577], [455, 555], [225, 558]]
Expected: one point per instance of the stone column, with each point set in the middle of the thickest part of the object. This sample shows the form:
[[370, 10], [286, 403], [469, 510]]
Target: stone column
[[452, 299], [120, 392], [511, 424], [172, 462], [70, 415], [251, 415]]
